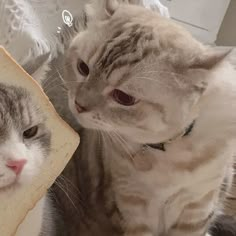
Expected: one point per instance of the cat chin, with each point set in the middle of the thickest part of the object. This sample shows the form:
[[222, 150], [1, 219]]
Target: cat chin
[[16, 184], [11, 187], [13, 182]]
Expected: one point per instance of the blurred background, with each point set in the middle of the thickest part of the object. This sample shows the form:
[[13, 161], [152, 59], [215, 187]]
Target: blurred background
[[211, 21]]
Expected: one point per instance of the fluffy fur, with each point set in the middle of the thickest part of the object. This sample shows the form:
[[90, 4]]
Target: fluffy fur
[[19, 113], [132, 189]]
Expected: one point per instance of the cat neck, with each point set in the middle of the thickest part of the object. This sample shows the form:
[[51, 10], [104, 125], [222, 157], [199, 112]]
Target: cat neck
[[133, 147], [161, 146]]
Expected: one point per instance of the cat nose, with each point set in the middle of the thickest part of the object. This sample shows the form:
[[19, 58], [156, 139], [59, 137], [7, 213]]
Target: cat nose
[[79, 107], [17, 166]]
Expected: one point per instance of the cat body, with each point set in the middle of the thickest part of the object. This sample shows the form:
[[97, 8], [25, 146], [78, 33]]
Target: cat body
[[142, 83], [24, 145], [147, 196]]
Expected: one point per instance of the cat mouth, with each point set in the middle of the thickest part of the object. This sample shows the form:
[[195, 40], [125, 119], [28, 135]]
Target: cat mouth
[[79, 107], [12, 185]]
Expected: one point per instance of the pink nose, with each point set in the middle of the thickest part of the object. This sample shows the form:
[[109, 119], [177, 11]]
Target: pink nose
[[16, 166]]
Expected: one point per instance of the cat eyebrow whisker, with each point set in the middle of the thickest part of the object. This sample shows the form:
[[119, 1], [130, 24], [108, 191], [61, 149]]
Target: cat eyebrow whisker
[[140, 66], [178, 82], [153, 80], [147, 78], [163, 71]]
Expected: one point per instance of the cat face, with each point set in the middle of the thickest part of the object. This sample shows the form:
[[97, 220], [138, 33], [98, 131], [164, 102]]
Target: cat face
[[136, 74], [24, 139]]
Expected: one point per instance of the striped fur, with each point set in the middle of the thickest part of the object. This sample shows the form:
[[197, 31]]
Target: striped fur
[[131, 189]]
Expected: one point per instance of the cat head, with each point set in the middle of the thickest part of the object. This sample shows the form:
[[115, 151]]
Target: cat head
[[136, 73], [24, 138]]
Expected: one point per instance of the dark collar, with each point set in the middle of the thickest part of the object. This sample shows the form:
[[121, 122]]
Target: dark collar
[[161, 146]]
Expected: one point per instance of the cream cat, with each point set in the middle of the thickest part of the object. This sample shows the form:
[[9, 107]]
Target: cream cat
[[163, 107]]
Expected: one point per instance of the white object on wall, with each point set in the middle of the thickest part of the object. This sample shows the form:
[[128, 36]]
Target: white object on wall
[[202, 18], [29, 28], [157, 5]]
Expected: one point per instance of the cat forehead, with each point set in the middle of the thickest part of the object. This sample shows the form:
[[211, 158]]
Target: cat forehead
[[17, 108], [123, 46], [136, 33]]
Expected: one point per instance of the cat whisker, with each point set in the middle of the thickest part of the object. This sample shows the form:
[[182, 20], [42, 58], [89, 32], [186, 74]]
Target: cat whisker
[[66, 187], [47, 81], [118, 138], [99, 137], [54, 78], [46, 90], [67, 181], [70, 182], [63, 85], [67, 195], [57, 69], [60, 76], [114, 135]]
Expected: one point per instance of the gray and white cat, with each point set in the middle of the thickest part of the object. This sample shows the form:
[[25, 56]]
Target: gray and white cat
[[163, 107], [24, 145]]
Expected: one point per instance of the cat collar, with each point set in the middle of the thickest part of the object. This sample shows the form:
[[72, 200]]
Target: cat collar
[[161, 146]]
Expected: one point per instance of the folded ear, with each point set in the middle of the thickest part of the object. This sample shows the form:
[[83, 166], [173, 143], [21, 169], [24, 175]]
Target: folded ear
[[197, 71], [101, 10], [38, 67], [210, 59]]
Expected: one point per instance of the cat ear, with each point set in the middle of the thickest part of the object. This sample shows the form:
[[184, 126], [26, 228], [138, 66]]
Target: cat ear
[[101, 10], [38, 67], [210, 59], [197, 72], [111, 6]]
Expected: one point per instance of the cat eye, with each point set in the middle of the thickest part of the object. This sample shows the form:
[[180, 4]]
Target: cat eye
[[123, 98], [82, 68], [31, 132]]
